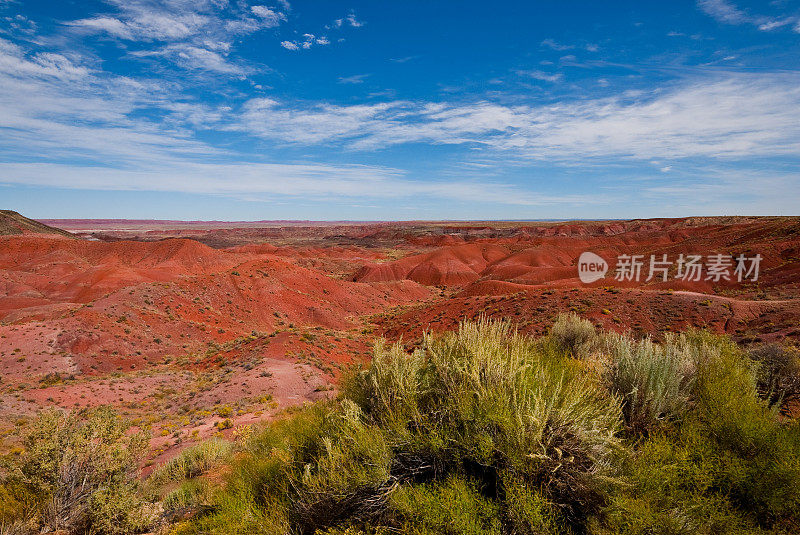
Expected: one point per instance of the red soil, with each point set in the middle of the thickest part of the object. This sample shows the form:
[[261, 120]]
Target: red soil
[[172, 327], [548, 256]]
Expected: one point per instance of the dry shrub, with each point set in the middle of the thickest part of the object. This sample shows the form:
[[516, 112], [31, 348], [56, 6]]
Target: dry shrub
[[490, 401], [83, 473], [653, 381], [778, 374], [571, 332]]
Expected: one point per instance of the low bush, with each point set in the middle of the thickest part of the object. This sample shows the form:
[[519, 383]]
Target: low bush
[[79, 473], [730, 465], [571, 332], [759, 451], [503, 428], [193, 461], [673, 489], [189, 496], [653, 381], [455, 505], [778, 378]]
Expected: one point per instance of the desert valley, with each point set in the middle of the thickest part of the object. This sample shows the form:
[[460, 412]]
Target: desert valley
[[194, 329], [356, 377]]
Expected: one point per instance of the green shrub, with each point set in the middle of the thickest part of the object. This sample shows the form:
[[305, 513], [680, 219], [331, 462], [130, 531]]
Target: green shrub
[[484, 421], [236, 514], [530, 512], [653, 381], [193, 461], [119, 510], [570, 332], [760, 452], [349, 477], [673, 490], [729, 466], [497, 401], [80, 473], [452, 506], [17, 503], [189, 495], [487, 431]]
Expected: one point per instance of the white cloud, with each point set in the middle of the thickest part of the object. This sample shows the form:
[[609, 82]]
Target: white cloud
[[355, 79], [109, 25], [88, 132], [776, 23], [541, 75], [69, 111], [271, 18], [551, 43], [723, 11], [350, 20], [308, 41], [141, 24], [370, 126], [13, 61], [256, 180], [355, 23], [727, 12], [200, 58], [736, 116], [197, 34]]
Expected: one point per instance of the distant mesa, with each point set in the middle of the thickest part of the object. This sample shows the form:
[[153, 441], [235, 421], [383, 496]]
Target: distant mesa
[[13, 223]]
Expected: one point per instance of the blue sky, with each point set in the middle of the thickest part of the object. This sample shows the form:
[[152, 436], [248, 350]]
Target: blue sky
[[368, 110]]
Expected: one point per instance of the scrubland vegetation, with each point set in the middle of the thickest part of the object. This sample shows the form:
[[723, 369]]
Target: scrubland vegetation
[[479, 431]]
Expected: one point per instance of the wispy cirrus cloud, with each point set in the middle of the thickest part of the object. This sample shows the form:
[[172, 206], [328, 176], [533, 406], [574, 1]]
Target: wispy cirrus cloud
[[728, 13], [369, 126], [541, 75], [562, 47], [73, 111], [211, 57], [723, 116], [349, 20], [192, 34], [553, 44], [146, 21], [311, 40], [262, 181], [354, 79], [80, 128], [14, 62], [731, 116]]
